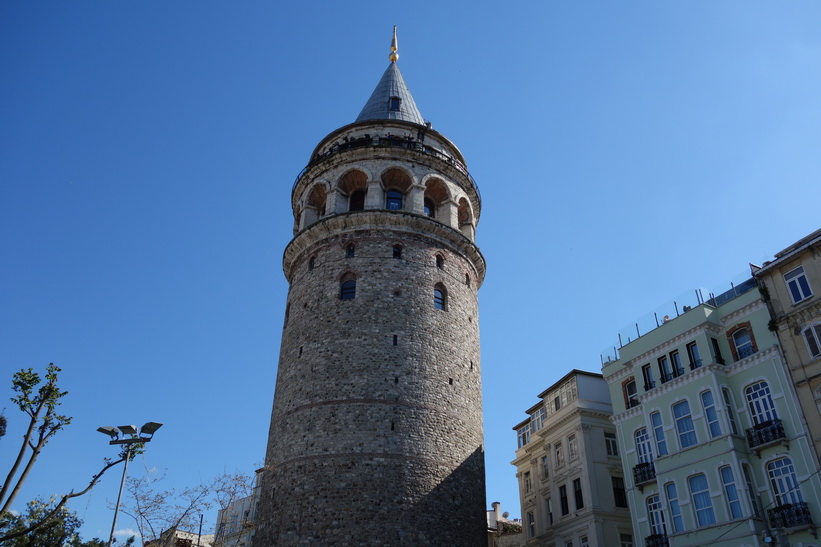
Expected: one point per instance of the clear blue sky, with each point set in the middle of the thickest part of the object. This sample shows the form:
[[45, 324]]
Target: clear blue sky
[[626, 152]]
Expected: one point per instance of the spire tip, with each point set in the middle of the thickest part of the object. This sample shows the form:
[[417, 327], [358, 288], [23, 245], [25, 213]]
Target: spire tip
[[393, 55]]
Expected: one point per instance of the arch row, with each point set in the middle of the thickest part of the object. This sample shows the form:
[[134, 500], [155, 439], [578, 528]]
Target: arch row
[[393, 188]]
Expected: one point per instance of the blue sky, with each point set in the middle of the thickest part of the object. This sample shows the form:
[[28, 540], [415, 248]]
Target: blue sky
[[626, 152]]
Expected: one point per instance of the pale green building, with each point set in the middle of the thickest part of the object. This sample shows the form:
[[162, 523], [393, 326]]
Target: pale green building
[[713, 443]]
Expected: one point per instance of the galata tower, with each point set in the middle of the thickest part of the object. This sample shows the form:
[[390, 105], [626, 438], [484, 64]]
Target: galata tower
[[376, 431]]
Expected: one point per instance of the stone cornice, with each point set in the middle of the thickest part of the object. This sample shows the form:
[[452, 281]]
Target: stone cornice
[[801, 317], [382, 220], [732, 318]]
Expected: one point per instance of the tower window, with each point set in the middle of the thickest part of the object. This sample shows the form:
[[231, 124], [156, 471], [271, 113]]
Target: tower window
[[350, 251], [357, 201], [393, 201], [440, 262], [347, 290], [311, 263], [440, 297], [397, 251], [394, 103], [430, 208], [467, 280]]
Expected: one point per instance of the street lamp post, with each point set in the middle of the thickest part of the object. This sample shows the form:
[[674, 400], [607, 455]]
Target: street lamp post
[[130, 438]]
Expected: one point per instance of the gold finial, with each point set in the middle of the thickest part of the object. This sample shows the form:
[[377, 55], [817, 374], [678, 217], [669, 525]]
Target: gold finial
[[393, 56]]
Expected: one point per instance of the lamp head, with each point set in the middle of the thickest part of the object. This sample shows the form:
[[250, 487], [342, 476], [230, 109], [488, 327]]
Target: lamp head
[[149, 428], [111, 431], [128, 429]]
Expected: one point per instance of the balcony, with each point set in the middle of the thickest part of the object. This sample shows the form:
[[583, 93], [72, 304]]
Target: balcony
[[791, 515], [656, 540], [766, 433], [644, 473]]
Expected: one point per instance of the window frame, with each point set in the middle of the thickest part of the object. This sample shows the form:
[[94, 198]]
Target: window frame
[[657, 424], [710, 413], [572, 447], [619, 492], [783, 481], [743, 348], [685, 427], [798, 285], [812, 338], [760, 402], [347, 289], [578, 495], [611, 443], [694, 355], [394, 200], [644, 446], [728, 407], [702, 502], [655, 515], [676, 518], [727, 476], [563, 501], [440, 297]]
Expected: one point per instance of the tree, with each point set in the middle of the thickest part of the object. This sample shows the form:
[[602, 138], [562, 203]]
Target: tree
[[40, 404], [58, 528]]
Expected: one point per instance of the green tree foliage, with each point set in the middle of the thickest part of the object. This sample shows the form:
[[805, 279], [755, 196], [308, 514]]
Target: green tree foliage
[[57, 531], [40, 403]]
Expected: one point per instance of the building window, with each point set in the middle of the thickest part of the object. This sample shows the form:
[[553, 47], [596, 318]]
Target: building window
[[693, 355], [611, 444], [675, 510], [347, 290], [784, 483], [393, 200], [537, 421], [658, 433], [394, 103], [572, 447], [430, 208], [730, 491], [523, 435], [440, 262], [619, 494], [630, 394], [664, 369], [684, 424], [703, 505], [350, 251], [563, 499], [760, 402], [549, 511], [812, 335], [710, 414], [583, 542], [728, 406], [717, 351], [545, 466], [751, 492], [568, 543], [644, 450], [675, 358], [626, 540], [743, 343], [577, 493], [798, 285], [655, 516], [311, 263], [357, 201], [440, 297], [647, 373], [531, 525], [397, 251], [559, 454], [528, 484]]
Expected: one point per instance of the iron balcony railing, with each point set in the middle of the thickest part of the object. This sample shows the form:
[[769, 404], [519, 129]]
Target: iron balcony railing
[[765, 433], [644, 472], [695, 364], [656, 540], [745, 351], [790, 515], [384, 142]]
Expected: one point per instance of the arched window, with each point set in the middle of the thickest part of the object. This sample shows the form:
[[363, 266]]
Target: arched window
[[430, 208], [347, 290], [393, 200], [655, 516], [397, 251], [467, 280], [743, 343], [812, 335], [311, 263], [761, 402], [440, 262], [357, 201], [784, 482], [350, 251], [440, 297], [644, 450]]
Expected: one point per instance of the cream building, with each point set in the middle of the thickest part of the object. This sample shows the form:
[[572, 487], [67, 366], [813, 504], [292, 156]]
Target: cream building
[[791, 284], [571, 483]]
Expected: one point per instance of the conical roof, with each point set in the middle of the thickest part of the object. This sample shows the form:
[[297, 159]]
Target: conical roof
[[383, 104]]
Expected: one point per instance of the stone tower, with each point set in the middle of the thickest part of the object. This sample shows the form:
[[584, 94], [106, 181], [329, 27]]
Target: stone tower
[[376, 431]]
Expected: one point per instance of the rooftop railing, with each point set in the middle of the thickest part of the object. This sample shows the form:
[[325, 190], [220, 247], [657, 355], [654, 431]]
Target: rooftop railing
[[680, 305]]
